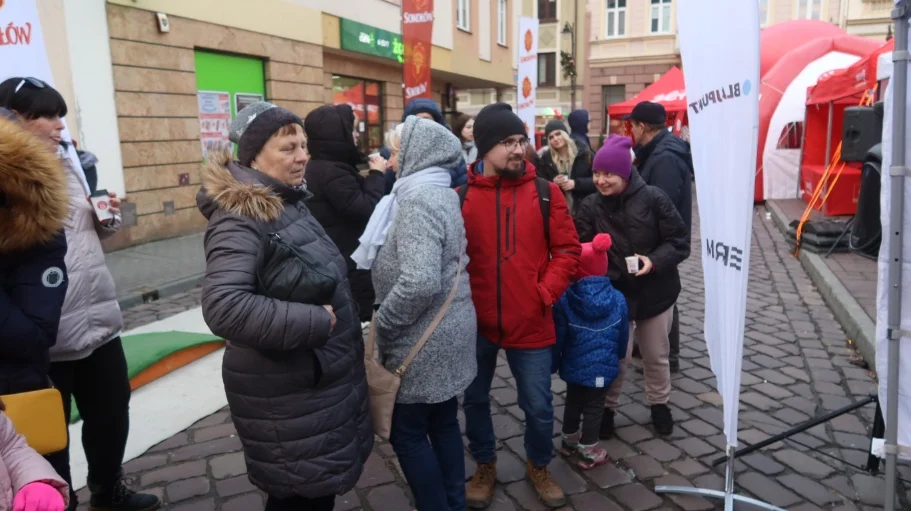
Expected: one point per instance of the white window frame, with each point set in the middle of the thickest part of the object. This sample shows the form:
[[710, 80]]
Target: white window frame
[[502, 22], [763, 21], [808, 12], [463, 15], [619, 29], [658, 9]]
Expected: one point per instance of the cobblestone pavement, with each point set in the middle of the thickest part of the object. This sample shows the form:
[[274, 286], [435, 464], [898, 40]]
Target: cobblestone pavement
[[797, 364]]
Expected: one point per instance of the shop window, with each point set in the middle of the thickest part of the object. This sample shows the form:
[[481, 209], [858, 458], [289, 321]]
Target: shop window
[[366, 99], [661, 17], [791, 136], [463, 15], [547, 10], [616, 18], [809, 9], [502, 18], [547, 69]]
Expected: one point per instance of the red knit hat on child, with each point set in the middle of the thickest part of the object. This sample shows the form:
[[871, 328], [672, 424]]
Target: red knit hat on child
[[594, 257]]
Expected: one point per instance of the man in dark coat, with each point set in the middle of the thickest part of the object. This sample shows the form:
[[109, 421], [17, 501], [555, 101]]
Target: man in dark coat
[[579, 121], [343, 200], [33, 279], [665, 162]]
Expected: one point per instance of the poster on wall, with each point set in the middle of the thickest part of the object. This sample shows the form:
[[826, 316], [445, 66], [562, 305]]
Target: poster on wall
[[214, 120], [243, 100], [527, 76], [724, 126], [417, 34], [23, 54]]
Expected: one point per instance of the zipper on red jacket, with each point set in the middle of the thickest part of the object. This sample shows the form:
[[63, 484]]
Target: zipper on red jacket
[[499, 262]]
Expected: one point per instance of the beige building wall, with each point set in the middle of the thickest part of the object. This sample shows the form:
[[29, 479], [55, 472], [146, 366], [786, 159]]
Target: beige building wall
[[155, 84], [869, 18]]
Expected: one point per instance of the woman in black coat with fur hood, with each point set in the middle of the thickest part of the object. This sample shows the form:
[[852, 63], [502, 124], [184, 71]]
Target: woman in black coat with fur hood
[[343, 199]]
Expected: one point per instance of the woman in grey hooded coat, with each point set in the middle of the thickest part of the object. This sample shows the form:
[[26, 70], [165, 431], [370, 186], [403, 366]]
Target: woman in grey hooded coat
[[417, 263], [293, 372]]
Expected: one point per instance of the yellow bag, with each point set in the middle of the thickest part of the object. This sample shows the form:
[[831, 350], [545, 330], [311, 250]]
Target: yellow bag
[[38, 416]]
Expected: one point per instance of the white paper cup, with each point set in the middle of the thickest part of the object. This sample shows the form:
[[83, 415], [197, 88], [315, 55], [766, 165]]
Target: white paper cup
[[632, 264], [102, 205]]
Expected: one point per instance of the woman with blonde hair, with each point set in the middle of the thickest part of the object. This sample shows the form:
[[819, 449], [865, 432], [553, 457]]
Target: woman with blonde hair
[[566, 165]]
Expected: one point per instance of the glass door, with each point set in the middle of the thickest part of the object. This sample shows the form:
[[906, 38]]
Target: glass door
[[365, 98]]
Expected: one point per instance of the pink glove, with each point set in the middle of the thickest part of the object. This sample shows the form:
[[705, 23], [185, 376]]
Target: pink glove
[[38, 497]]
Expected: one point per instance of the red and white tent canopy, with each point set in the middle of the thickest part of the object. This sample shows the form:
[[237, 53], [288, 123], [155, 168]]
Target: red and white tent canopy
[[669, 91]]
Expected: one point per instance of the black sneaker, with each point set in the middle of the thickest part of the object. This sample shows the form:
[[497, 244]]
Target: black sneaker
[[662, 420], [121, 497], [607, 425], [675, 366]]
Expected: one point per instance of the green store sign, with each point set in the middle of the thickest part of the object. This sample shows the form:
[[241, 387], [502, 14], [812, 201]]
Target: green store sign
[[371, 40]]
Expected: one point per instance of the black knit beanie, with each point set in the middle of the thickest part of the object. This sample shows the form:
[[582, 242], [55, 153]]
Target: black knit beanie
[[493, 124], [255, 125], [554, 125]]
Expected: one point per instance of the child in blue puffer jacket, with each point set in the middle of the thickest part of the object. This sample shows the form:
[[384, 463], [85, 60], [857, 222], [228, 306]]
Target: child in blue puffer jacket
[[592, 333]]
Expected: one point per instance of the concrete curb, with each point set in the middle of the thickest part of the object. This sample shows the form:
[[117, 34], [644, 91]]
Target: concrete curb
[[855, 321], [141, 296]]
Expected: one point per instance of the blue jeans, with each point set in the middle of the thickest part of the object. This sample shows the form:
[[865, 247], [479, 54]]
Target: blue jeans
[[435, 470], [531, 369]]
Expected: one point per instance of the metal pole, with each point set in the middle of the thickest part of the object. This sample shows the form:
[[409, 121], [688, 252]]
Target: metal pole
[[572, 81], [897, 172], [729, 480], [828, 159]]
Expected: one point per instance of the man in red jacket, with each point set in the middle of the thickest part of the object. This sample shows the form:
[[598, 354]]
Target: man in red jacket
[[518, 270]]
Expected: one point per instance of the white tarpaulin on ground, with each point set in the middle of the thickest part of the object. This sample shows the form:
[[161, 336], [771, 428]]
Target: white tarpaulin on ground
[[527, 76], [882, 299], [22, 53], [721, 67]]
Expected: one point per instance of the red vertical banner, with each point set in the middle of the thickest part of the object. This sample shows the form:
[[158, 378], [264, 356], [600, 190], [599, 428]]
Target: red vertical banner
[[417, 35]]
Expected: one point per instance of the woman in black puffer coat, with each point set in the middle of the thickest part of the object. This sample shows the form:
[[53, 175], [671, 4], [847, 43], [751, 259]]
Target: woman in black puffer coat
[[644, 224], [343, 200], [293, 372]]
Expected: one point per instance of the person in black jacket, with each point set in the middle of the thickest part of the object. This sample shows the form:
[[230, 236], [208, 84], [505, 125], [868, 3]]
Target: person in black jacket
[[648, 232], [343, 200], [566, 164], [665, 162], [33, 280], [579, 123]]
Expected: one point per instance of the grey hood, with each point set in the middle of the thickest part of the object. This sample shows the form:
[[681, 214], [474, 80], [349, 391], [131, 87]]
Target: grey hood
[[427, 144]]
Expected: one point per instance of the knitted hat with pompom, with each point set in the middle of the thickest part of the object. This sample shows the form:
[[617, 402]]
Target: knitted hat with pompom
[[594, 257]]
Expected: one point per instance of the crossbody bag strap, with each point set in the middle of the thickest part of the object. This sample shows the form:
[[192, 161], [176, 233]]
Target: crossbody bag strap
[[433, 325]]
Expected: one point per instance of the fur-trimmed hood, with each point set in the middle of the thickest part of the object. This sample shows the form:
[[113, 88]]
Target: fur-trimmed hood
[[242, 191], [34, 201]]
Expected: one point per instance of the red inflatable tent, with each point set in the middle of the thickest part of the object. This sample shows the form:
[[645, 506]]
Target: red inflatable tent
[[826, 103]]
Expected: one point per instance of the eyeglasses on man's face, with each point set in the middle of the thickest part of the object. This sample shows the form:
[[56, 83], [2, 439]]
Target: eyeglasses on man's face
[[511, 144]]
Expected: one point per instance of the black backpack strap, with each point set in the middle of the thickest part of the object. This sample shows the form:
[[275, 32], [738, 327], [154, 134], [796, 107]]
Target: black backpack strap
[[462, 191], [543, 187]]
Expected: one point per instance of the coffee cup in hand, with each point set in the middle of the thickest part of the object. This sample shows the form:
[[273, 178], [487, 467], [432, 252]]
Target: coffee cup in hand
[[101, 201], [632, 264]]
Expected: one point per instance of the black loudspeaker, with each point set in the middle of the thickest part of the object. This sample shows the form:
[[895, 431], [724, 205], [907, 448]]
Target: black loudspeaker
[[866, 231], [862, 130]]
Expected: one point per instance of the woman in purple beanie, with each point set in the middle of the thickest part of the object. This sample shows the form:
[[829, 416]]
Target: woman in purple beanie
[[649, 241]]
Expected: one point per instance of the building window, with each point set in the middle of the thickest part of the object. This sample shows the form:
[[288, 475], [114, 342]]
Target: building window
[[463, 15], [763, 12], [661, 17], [547, 69], [616, 18], [547, 10], [611, 94], [501, 22], [809, 9], [366, 99]]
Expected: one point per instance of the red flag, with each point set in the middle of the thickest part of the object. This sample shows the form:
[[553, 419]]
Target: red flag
[[417, 35]]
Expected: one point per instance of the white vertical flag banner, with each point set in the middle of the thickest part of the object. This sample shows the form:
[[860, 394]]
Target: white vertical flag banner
[[883, 299], [721, 70], [22, 53], [527, 85]]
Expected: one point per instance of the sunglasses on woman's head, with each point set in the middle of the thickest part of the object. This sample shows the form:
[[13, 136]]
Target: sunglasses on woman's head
[[34, 82]]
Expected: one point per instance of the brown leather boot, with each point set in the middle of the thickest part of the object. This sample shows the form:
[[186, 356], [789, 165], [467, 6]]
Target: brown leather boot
[[479, 491], [548, 490]]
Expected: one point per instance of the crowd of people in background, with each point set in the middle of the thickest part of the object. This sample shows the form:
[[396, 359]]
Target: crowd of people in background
[[448, 246]]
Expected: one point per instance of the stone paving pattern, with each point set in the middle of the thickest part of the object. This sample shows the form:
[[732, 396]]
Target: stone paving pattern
[[797, 364]]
